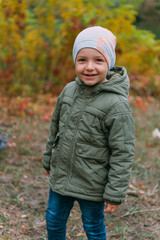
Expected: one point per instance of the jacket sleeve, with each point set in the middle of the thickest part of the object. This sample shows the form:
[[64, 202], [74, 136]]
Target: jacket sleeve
[[54, 125], [121, 142]]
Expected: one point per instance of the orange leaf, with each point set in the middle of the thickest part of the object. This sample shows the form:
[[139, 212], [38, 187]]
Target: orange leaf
[[28, 137], [139, 102], [47, 118], [23, 230], [140, 184]]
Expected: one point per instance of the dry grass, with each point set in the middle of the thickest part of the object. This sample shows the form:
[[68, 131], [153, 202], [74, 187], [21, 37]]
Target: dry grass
[[24, 188]]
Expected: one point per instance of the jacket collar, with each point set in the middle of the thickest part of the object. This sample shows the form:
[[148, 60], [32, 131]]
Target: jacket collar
[[118, 82]]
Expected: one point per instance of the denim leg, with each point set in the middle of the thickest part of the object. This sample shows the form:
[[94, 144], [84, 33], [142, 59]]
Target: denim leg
[[93, 219], [57, 214]]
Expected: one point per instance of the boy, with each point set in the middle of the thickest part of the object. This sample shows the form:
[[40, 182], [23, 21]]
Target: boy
[[90, 147]]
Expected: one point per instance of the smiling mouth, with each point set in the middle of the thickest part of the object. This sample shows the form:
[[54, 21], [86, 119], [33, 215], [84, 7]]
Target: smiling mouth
[[90, 75]]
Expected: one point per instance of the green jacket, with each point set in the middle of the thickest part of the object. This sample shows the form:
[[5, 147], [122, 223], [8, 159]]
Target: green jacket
[[90, 148]]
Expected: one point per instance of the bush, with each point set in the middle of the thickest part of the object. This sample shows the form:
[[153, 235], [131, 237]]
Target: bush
[[37, 39]]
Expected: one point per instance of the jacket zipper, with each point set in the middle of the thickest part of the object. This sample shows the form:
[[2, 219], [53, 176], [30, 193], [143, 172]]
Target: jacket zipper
[[69, 172], [58, 155]]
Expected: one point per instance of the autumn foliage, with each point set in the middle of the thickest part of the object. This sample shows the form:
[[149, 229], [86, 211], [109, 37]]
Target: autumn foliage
[[36, 39]]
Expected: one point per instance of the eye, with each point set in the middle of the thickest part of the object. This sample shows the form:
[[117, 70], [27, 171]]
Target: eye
[[81, 60], [99, 60]]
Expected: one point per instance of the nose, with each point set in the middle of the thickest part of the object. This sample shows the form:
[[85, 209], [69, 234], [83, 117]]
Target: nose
[[89, 66]]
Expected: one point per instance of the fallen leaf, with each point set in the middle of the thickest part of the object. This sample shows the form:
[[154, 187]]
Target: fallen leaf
[[79, 234], [140, 184], [46, 118], [150, 99], [24, 216], [148, 223], [23, 230], [11, 144], [149, 144], [28, 137], [77, 218], [25, 176], [21, 199], [141, 192]]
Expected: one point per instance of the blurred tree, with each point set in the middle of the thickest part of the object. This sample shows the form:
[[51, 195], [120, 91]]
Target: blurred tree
[[12, 32], [37, 39], [135, 3], [149, 16]]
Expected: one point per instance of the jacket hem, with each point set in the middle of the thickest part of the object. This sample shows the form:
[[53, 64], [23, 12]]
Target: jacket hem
[[77, 195]]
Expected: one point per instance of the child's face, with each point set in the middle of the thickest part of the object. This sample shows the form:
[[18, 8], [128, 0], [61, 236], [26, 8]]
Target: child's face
[[91, 66]]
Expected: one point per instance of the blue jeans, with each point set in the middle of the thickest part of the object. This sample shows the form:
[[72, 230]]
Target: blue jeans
[[58, 211]]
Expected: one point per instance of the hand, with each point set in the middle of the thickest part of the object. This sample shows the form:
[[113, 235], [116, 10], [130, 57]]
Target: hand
[[110, 208], [47, 172]]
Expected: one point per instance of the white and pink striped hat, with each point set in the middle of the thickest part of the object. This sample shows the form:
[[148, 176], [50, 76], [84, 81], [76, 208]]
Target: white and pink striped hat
[[98, 38]]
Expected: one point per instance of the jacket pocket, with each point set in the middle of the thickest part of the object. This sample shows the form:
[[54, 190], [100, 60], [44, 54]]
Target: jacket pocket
[[90, 167], [92, 152]]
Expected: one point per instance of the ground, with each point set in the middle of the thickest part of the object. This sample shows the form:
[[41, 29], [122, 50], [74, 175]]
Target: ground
[[24, 187]]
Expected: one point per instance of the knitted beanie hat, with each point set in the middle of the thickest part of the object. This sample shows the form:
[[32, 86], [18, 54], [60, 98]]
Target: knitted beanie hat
[[98, 38]]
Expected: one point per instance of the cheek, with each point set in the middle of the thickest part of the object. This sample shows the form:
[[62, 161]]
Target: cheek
[[78, 69], [104, 71]]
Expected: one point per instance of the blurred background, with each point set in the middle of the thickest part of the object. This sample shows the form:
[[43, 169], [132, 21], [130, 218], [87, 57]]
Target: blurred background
[[36, 39]]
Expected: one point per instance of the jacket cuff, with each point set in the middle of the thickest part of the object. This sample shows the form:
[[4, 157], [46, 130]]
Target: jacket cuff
[[45, 164], [46, 168], [113, 203]]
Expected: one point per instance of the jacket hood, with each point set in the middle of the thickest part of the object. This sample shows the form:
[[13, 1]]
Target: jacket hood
[[118, 82]]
